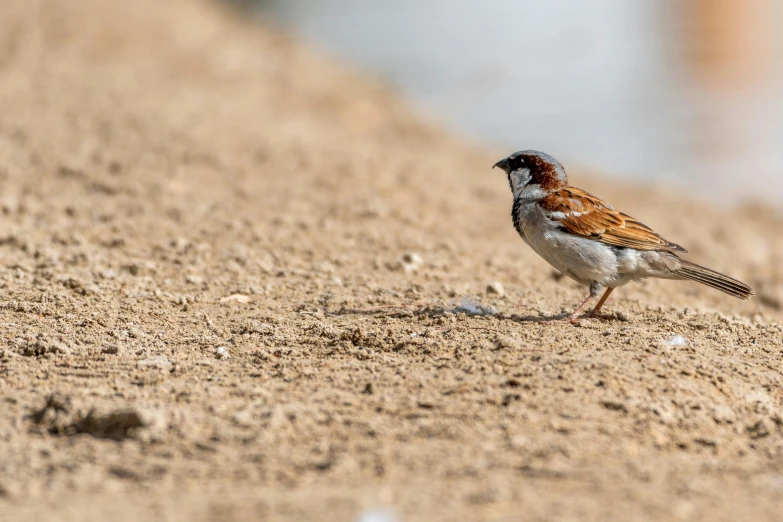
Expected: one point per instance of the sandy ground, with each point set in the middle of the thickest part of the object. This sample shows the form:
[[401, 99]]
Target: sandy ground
[[240, 283]]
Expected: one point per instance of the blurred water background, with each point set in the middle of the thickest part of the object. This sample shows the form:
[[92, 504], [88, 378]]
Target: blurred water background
[[686, 92]]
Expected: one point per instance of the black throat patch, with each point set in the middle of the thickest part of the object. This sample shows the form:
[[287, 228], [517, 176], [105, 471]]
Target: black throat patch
[[515, 215]]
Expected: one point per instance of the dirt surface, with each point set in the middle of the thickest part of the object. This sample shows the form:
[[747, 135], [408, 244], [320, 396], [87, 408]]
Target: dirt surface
[[241, 283]]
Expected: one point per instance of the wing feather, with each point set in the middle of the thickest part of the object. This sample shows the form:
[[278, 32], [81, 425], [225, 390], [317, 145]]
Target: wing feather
[[585, 215]]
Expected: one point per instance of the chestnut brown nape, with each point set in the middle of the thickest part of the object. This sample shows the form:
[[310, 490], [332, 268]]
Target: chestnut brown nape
[[544, 170]]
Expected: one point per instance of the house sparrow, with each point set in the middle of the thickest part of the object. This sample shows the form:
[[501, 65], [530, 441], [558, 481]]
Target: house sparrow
[[588, 240]]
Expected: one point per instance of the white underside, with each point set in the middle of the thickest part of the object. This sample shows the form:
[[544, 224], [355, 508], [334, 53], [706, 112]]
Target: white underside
[[589, 261]]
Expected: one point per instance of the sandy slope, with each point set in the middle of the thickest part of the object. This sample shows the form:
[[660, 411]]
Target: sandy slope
[[204, 315]]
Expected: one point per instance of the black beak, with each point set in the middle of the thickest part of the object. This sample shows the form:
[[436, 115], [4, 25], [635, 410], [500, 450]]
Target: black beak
[[503, 164]]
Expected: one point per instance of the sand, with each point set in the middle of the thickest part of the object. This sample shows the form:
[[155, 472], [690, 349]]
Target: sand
[[241, 282]]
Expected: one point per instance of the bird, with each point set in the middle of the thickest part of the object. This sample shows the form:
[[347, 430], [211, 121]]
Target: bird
[[588, 240]]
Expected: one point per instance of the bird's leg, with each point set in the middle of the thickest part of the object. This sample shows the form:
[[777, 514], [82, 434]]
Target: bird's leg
[[574, 317], [594, 312], [595, 289]]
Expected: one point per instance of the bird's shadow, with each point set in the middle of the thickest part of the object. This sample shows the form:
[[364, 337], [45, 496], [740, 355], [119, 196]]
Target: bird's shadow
[[440, 311], [560, 318]]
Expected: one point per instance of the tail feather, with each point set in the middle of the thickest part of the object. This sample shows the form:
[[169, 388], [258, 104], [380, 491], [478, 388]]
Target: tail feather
[[714, 279]]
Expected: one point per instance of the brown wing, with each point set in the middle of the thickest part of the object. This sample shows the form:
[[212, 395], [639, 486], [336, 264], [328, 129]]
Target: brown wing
[[585, 215]]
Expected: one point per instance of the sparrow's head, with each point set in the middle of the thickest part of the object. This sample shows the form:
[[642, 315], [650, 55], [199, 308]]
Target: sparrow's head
[[530, 167]]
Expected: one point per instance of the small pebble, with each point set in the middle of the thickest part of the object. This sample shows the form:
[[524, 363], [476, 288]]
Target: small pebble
[[221, 353], [243, 418], [238, 298], [194, 279], [723, 414], [411, 262], [111, 349], [677, 340], [378, 515], [496, 288]]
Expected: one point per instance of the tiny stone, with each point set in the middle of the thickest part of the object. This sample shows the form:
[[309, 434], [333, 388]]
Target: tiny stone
[[411, 258], [496, 288], [709, 442], [194, 279], [677, 340], [723, 414], [378, 516], [411, 262], [112, 349], [664, 413], [239, 298], [243, 418], [221, 352], [135, 332]]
